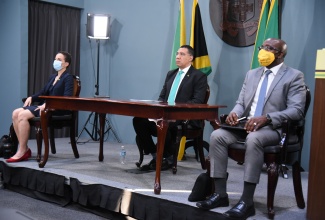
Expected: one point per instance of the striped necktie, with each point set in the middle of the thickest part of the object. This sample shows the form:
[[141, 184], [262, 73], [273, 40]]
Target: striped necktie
[[261, 97], [173, 90]]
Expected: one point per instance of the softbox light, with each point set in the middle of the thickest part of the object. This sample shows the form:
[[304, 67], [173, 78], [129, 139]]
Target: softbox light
[[98, 26]]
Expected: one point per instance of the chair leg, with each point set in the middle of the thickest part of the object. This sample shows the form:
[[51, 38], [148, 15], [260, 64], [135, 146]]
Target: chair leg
[[39, 140], [206, 146], [284, 170], [273, 175], [196, 151], [138, 164], [199, 146], [207, 165], [176, 149], [191, 143], [73, 140], [296, 176], [52, 142]]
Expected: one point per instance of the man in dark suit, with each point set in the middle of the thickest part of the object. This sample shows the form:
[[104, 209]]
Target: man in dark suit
[[283, 98], [190, 87]]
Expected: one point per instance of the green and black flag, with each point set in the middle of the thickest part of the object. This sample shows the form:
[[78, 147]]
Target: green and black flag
[[197, 41], [268, 27]]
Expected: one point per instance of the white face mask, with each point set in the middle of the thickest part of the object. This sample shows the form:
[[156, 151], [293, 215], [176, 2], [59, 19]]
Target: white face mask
[[57, 65]]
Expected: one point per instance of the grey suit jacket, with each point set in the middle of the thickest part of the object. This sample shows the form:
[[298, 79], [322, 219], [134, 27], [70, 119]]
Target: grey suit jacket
[[285, 99]]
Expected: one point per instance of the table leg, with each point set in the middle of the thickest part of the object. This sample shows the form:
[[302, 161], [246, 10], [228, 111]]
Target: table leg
[[45, 115], [162, 127], [101, 136]]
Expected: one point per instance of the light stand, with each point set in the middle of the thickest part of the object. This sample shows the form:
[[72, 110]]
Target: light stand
[[95, 131]]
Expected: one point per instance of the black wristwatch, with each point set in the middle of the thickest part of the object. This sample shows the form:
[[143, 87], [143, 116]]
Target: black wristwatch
[[269, 119]]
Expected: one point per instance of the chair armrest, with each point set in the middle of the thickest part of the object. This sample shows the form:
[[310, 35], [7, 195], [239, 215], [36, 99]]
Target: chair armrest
[[284, 134], [223, 118], [216, 123], [292, 134], [184, 125]]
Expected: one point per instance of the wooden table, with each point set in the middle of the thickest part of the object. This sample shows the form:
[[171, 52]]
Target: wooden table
[[146, 109]]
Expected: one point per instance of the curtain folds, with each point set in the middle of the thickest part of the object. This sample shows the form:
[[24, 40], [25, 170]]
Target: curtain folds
[[52, 28]]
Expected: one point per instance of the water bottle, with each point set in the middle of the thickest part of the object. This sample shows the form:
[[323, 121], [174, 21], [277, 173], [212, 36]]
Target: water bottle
[[122, 155]]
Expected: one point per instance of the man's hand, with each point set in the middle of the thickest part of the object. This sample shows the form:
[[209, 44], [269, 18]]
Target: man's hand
[[232, 119], [253, 124]]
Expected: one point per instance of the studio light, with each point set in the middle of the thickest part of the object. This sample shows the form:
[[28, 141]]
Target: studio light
[[98, 26]]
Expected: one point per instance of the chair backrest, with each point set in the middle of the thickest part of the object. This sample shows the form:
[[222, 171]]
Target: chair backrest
[[308, 98], [76, 86], [207, 95], [300, 129]]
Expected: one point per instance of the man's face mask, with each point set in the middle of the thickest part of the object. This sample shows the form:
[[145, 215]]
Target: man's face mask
[[265, 58]]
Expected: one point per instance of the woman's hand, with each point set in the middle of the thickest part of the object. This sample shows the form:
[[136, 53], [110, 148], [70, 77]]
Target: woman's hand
[[40, 108], [28, 101]]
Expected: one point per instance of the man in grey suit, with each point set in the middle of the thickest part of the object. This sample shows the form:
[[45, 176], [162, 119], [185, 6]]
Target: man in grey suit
[[284, 98], [190, 86]]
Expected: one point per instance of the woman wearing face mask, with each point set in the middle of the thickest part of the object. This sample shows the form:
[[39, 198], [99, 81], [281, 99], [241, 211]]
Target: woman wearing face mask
[[59, 84]]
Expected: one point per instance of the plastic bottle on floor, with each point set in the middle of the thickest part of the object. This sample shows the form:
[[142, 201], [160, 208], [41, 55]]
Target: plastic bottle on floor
[[122, 155]]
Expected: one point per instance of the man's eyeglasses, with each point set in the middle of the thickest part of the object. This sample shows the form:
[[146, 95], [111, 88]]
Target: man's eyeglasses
[[268, 48]]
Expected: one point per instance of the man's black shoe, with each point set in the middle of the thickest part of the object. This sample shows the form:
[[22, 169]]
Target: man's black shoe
[[240, 211], [213, 201], [152, 165], [165, 165], [149, 166]]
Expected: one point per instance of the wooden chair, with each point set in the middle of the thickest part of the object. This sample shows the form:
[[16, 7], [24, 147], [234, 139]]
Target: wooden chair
[[58, 122], [288, 151], [194, 137]]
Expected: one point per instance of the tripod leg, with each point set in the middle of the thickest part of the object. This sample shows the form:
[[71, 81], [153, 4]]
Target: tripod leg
[[109, 127], [95, 130], [84, 127]]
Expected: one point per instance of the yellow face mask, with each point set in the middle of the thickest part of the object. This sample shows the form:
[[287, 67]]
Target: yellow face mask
[[265, 58]]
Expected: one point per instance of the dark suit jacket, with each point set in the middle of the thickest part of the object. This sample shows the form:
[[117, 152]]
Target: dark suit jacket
[[63, 87], [191, 90]]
